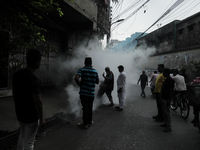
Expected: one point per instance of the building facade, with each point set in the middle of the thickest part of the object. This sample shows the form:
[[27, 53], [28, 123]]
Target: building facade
[[81, 21], [177, 45]]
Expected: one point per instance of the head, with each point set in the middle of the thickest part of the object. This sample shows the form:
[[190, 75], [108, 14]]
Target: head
[[160, 68], [107, 69], [166, 72], [143, 72], [155, 72], [120, 68], [175, 72], [88, 61], [33, 58]]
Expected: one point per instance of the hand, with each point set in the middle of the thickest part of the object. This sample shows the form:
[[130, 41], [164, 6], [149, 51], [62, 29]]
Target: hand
[[42, 122], [120, 90], [103, 74]]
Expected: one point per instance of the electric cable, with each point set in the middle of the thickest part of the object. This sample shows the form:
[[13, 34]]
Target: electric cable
[[177, 3], [132, 14], [126, 10]]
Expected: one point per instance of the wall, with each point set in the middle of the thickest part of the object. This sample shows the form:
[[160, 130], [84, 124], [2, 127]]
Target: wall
[[177, 45]]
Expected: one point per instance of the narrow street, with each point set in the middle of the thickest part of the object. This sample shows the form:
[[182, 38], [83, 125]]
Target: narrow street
[[131, 129]]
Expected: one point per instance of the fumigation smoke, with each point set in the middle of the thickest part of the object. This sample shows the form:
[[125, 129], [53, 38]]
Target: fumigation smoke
[[67, 68]]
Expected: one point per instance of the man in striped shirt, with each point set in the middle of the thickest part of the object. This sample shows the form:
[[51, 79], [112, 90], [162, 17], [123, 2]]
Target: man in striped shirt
[[89, 77]]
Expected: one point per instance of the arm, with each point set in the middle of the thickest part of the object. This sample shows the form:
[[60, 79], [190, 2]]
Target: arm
[[138, 81], [123, 82], [77, 79], [147, 81], [151, 78], [39, 107], [97, 81]]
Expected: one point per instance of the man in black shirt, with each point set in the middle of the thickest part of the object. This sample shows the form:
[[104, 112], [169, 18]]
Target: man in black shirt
[[28, 103], [166, 96], [107, 85], [143, 82]]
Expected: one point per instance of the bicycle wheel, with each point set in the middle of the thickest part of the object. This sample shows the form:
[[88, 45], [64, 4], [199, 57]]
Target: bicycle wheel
[[173, 105], [185, 109]]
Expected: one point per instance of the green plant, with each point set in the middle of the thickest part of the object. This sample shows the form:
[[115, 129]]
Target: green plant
[[22, 20]]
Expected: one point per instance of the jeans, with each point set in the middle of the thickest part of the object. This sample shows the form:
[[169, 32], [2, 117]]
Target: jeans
[[27, 135], [142, 88], [87, 104]]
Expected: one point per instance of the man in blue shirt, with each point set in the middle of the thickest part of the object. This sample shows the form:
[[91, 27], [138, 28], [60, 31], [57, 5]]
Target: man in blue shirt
[[89, 77]]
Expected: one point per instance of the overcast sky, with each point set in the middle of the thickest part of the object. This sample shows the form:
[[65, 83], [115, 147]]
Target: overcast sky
[[147, 15]]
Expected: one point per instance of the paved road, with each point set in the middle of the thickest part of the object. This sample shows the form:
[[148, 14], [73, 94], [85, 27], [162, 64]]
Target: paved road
[[131, 129]]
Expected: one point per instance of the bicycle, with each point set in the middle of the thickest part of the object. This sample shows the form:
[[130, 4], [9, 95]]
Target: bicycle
[[181, 102]]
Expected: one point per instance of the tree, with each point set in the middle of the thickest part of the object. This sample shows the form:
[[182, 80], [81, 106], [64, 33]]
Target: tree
[[22, 29], [21, 19]]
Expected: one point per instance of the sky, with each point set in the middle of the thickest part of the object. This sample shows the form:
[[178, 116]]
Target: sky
[[147, 15]]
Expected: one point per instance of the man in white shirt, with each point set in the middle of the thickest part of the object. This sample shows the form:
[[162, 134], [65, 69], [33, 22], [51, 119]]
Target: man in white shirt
[[180, 86], [153, 81], [121, 87]]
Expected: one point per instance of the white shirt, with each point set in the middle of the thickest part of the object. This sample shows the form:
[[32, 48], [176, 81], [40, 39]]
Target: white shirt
[[153, 79], [179, 83], [121, 81]]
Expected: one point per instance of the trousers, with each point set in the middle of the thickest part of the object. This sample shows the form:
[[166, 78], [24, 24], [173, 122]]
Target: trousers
[[87, 105], [121, 97], [166, 113], [142, 88], [27, 135], [159, 104]]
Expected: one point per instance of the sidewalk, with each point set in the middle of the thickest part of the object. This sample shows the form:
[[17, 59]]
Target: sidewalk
[[5, 93], [54, 107]]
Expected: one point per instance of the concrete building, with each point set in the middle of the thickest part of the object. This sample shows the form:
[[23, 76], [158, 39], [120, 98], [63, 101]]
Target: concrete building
[[113, 43], [127, 45], [177, 45], [81, 21]]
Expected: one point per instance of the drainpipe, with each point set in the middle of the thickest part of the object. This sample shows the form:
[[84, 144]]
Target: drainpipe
[[175, 37]]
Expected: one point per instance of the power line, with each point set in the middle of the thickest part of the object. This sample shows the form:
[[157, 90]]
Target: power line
[[177, 3], [133, 13], [126, 10]]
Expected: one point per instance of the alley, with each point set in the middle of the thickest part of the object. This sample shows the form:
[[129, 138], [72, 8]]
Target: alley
[[131, 129]]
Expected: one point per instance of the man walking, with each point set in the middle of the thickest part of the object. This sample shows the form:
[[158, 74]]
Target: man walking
[[121, 87], [158, 85], [143, 82], [89, 77], [107, 86], [28, 103]]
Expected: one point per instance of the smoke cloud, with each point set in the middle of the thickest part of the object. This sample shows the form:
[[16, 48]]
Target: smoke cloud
[[67, 68]]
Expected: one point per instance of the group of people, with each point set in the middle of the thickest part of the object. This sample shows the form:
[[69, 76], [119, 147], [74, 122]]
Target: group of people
[[28, 102], [87, 77], [164, 87]]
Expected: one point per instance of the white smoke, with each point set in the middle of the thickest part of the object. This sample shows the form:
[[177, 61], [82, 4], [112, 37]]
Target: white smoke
[[132, 61]]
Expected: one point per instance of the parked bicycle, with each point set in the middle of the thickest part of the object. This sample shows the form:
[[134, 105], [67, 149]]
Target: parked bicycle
[[181, 102]]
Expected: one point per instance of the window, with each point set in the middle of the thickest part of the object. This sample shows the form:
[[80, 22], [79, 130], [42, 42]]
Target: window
[[180, 31], [190, 27]]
